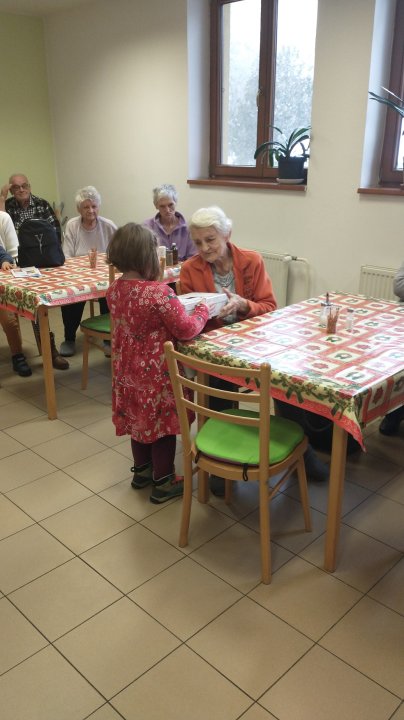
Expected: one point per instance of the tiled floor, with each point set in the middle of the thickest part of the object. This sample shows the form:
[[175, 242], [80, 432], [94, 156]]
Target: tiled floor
[[102, 616]]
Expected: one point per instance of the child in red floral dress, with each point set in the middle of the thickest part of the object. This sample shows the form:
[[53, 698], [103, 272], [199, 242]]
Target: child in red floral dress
[[145, 314]]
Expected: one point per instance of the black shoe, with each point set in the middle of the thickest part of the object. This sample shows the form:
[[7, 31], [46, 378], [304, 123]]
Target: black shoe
[[20, 365], [316, 470], [390, 424], [216, 485]]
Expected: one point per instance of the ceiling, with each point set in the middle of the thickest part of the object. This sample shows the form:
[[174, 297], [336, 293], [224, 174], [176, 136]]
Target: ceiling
[[37, 7]]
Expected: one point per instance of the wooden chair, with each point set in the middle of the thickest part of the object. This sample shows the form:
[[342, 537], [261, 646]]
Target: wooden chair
[[245, 445], [96, 330]]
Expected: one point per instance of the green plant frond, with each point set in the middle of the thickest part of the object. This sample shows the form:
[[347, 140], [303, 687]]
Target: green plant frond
[[389, 103], [278, 149]]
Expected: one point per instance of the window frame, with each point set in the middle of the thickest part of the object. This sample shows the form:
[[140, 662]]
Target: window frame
[[388, 175], [265, 93]]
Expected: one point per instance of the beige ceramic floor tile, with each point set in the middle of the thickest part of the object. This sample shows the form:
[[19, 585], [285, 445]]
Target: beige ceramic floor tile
[[371, 638], [287, 524], [369, 470], [132, 557], [48, 495], [65, 398], [370, 518], [235, 556], [9, 446], [394, 489], [63, 598], [125, 450], [256, 712], [399, 715], [101, 470], [38, 431], [361, 561], [18, 412], [228, 641], [86, 524], [83, 414], [135, 503], [27, 555], [322, 687], [297, 588], [105, 713], [104, 431], [390, 590], [205, 523], [182, 586], [386, 450], [116, 646], [6, 397], [201, 693], [244, 500], [12, 519], [65, 450], [318, 493], [19, 639], [22, 468], [46, 687]]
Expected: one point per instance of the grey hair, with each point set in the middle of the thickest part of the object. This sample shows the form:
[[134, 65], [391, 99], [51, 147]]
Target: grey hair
[[211, 217], [87, 193], [162, 191]]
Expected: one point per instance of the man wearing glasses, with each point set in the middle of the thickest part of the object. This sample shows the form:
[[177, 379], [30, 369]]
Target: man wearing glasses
[[23, 205]]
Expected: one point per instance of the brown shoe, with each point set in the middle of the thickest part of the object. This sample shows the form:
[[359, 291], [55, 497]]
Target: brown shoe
[[58, 362]]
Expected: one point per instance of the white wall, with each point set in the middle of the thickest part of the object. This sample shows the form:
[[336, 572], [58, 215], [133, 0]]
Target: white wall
[[118, 75]]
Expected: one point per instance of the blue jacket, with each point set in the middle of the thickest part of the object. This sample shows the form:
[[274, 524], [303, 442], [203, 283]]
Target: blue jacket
[[5, 257]]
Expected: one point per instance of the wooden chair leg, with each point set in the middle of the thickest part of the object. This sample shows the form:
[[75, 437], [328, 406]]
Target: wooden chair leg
[[304, 495], [186, 502], [265, 534], [84, 370], [228, 491], [203, 486], [37, 336]]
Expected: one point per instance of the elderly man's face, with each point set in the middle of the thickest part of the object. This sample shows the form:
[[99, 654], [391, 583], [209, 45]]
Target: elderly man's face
[[20, 188]]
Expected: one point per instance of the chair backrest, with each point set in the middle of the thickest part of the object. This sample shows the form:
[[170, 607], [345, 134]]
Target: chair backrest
[[196, 379]]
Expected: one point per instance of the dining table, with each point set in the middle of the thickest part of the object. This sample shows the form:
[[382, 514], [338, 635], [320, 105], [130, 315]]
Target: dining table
[[351, 376], [75, 281]]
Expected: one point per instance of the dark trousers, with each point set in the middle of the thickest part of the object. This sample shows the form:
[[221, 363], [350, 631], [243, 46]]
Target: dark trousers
[[72, 315], [160, 454]]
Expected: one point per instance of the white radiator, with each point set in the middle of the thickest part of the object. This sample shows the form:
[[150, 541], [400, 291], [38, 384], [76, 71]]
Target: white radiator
[[290, 277], [377, 282]]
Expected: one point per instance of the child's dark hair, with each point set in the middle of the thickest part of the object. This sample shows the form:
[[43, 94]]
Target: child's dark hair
[[133, 247]]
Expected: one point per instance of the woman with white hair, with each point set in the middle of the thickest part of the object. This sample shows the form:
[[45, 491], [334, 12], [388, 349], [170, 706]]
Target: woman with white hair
[[83, 233], [221, 266], [168, 225]]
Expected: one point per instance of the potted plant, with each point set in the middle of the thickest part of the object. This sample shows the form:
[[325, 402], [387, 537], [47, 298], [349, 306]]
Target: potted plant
[[289, 152], [393, 104]]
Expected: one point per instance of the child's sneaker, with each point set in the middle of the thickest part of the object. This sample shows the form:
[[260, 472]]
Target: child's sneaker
[[166, 488], [142, 476]]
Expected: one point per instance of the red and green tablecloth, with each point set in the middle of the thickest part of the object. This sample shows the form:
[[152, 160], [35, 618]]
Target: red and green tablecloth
[[349, 377], [72, 282]]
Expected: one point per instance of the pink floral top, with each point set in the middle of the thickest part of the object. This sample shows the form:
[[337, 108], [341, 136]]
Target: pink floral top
[[145, 315]]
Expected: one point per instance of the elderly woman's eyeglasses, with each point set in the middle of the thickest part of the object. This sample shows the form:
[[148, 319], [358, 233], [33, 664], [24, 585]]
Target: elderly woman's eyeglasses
[[24, 186]]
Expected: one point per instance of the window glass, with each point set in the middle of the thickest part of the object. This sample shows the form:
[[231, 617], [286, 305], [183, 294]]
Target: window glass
[[262, 65]]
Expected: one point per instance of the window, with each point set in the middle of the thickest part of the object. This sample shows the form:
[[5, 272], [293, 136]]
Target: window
[[391, 167], [262, 59]]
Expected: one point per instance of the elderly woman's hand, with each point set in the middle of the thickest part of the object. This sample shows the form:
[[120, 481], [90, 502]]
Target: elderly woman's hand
[[235, 305], [7, 265]]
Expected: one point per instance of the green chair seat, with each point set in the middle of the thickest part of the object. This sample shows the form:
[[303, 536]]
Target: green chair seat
[[240, 444], [99, 323]]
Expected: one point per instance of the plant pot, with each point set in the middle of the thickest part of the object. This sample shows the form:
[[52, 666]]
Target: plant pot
[[291, 168]]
